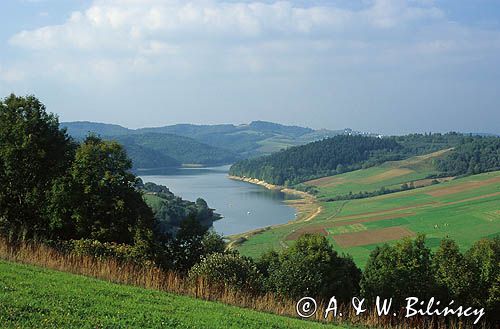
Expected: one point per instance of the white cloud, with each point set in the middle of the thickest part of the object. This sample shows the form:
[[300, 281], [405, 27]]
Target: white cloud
[[112, 39], [111, 24]]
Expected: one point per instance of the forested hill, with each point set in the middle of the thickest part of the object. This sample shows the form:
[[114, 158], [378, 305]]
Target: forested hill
[[322, 158], [150, 150], [247, 140], [471, 155], [155, 150]]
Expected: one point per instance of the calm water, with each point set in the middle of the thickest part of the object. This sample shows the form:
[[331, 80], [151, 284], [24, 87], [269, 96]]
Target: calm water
[[244, 206]]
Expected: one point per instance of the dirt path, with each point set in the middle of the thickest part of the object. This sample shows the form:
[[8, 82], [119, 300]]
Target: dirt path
[[312, 216]]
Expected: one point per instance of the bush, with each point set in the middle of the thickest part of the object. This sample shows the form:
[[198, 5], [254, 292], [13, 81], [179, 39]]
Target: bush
[[484, 259], [452, 273], [399, 271], [228, 270], [107, 250], [310, 268]]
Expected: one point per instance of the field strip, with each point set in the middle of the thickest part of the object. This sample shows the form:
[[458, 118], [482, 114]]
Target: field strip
[[473, 198], [373, 236], [307, 230], [463, 187], [391, 173], [382, 212], [372, 219], [321, 228]]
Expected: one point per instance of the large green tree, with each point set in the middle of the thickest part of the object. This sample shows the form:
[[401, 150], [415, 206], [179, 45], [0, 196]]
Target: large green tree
[[484, 259], [97, 198], [452, 273], [33, 151], [399, 271]]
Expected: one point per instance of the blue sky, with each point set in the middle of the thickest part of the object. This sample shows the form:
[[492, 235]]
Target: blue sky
[[389, 66]]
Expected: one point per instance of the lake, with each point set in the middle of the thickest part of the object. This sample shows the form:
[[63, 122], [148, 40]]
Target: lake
[[244, 206]]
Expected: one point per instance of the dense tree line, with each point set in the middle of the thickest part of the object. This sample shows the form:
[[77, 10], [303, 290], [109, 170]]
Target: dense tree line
[[369, 194], [409, 268], [310, 267], [322, 158], [473, 156]]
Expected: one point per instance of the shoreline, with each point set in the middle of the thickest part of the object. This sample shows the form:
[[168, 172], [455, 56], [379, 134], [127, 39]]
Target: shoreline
[[306, 206], [269, 186]]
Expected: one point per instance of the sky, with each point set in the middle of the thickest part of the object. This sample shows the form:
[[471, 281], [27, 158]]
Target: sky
[[386, 66]]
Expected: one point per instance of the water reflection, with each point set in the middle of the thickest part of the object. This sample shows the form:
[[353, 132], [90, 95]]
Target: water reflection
[[244, 206]]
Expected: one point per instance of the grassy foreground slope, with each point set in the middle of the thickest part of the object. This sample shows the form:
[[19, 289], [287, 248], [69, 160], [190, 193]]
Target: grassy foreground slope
[[465, 209], [32, 297]]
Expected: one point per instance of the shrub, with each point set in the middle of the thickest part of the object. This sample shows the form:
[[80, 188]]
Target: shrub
[[484, 259], [107, 250], [310, 268], [452, 273], [228, 270], [399, 271]]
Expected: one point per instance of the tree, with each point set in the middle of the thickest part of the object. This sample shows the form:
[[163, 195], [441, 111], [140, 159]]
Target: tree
[[484, 259], [452, 273], [97, 199], [399, 271], [33, 152], [311, 268], [212, 242]]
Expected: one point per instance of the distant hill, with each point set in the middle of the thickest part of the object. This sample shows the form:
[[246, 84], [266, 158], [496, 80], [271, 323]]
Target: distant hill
[[80, 129], [155, 150], [172, 145], [163, 148], [248, 140], [145, 158]]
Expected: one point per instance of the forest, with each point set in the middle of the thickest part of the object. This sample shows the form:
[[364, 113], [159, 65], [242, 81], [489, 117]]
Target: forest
[[473, 156], [343, 153], [322, 158]]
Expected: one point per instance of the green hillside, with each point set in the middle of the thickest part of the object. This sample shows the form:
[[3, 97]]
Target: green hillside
[[464, 209], [253, 139], [389, 175], [182, 149], [33, 297]]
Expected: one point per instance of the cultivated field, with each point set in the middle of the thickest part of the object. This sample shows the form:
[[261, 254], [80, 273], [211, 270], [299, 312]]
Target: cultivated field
[[389, 175], [464, 209]]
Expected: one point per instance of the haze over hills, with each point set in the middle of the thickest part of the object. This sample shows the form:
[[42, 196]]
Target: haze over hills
[[173, 145]]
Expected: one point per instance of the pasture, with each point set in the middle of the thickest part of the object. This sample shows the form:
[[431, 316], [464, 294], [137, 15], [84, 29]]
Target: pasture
[[389, 175], [33, 297], [464, 209]]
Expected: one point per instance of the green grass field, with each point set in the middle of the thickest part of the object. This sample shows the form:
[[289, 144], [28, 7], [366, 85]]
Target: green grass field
[[32, 297], [389, 175], [465, 209]]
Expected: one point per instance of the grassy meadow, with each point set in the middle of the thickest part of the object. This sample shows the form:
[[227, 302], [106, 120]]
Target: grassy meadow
[[390, 175], [33, 297], [465, 209]]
